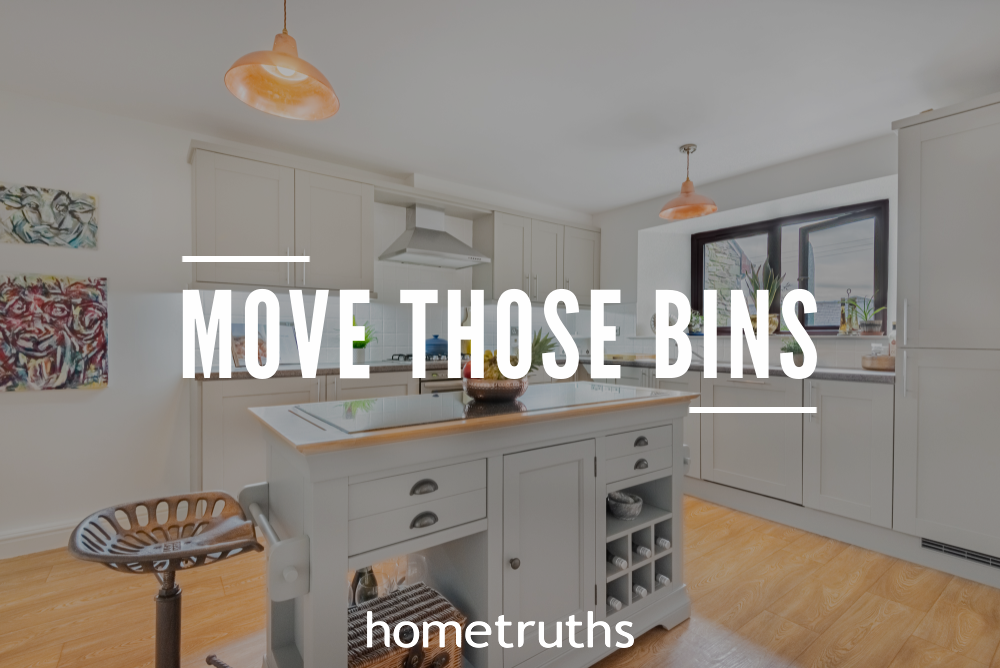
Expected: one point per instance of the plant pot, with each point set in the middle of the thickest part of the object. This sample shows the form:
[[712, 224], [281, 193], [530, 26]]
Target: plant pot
[[359, 355], [773, 320], [870, 327], [799, 359]]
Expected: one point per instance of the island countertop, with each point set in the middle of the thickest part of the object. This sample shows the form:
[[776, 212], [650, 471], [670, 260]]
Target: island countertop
[[343, 425]]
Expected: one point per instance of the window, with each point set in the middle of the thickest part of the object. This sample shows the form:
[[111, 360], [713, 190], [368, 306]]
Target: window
[[825, 252]]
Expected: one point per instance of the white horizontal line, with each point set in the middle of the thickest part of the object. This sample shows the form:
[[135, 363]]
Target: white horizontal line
[[245, 258], [753, 409]]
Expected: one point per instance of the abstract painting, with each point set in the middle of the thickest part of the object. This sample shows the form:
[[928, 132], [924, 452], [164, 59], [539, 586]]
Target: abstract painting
[[47, 216], [53, 333]]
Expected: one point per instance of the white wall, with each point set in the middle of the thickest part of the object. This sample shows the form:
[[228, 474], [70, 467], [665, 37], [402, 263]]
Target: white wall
[[67, 453], [851, 164]]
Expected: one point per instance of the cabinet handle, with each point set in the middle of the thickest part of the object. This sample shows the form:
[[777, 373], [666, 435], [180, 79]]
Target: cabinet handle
[[425, 486], [536, 287], [423, 520], [641, 442], [515, 563], [641, 464]]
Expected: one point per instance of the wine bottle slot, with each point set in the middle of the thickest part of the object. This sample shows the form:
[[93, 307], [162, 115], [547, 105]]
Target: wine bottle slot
[[662, 579], [617, 561], [663, 542], [639, 591], [642, 550], [614, 603]]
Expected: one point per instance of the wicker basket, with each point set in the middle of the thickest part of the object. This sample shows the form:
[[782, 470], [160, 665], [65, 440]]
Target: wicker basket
[[418, 604]]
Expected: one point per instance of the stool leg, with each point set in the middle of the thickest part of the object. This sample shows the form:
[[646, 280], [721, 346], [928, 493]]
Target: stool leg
[[168, 623]]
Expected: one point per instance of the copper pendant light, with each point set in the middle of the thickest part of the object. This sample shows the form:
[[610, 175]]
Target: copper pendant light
[[688, 204], [278, 82]]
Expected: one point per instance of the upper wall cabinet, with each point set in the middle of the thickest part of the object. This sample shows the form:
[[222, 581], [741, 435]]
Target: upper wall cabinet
[[581, 262], [534, 256], [248, 207], [948, 231], [334, 225], [243, 207]]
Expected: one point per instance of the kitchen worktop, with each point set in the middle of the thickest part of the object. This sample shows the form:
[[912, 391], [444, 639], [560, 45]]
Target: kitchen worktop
[[821, 373], [341, 425]]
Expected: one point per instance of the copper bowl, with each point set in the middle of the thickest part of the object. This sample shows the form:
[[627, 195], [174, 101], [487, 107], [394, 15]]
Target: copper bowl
[[494, 391]]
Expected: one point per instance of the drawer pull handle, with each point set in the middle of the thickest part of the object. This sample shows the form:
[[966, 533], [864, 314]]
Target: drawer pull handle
[[641, 464], [515, 563], [424, 520], [425, 486], [641, 442]]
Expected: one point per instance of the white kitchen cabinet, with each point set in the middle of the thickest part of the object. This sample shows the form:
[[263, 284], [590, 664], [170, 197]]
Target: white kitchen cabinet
[[546, 259], [334, 226], [581, 262], [632, 376], [243, 207], [689, 382], [506, 239], [847, 450], [533, 256], [549, 532], [949, 231], [233, 450], [947, 454], [759, 453], [392, 384]]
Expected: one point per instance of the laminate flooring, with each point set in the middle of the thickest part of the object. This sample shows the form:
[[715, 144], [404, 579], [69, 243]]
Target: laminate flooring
[[764, 596]]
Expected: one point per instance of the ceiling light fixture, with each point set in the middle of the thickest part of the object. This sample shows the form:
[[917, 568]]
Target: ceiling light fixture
[[688, 204], [278, 82]]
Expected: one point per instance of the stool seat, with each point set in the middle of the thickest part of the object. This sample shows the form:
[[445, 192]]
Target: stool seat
[[163, 535]]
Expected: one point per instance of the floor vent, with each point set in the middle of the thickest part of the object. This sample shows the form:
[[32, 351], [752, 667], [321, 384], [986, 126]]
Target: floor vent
[[978, 557]]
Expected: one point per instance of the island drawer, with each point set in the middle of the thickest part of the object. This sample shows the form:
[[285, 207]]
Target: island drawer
[[635, 464], [411, 489], [375, 531], [642, 440]]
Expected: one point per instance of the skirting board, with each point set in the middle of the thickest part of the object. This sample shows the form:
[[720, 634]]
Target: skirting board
[[38, 539], [871, 537]]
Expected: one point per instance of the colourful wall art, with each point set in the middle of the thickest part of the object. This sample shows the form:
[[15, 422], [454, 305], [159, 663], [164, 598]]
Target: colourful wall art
[[53, 333], [31, 215]]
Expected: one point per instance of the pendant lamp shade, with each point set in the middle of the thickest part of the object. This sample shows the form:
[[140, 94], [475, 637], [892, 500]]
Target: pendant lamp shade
[[688, 204], [278, 82]]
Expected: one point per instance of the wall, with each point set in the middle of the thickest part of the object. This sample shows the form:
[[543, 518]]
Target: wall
[[851, 164], [66, 453]]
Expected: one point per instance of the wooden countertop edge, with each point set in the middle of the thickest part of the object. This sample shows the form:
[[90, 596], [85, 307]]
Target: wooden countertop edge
[[453, 427]]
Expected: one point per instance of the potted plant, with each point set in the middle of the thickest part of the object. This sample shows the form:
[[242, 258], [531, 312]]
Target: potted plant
[[792, 346], [697, 322], [494, 386], [360, 345], [865, 308], [762, 277]]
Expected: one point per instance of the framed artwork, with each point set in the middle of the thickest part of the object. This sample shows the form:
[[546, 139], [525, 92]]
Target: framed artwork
[[240, 346], [47, 216], [53, 333]]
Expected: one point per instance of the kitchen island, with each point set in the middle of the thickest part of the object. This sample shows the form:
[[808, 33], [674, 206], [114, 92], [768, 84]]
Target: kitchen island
[[506, 502]]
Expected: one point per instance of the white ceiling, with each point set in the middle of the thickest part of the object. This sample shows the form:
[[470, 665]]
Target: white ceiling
[[575, 104]]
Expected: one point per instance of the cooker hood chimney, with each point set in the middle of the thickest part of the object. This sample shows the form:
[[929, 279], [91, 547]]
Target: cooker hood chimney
[[426, 243]]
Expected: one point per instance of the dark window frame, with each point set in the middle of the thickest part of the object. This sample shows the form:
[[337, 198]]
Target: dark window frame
[[772, 228]]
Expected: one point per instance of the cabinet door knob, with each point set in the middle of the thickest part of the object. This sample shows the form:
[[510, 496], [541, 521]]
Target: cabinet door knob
[[641, 442], [641, 464], [424, 520], [425, 486], [515, 563]]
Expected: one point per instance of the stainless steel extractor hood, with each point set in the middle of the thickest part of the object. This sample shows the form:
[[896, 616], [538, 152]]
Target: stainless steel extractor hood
[[426, 243]]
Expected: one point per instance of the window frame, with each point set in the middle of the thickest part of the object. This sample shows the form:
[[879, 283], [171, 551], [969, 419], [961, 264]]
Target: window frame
[[772, 228]]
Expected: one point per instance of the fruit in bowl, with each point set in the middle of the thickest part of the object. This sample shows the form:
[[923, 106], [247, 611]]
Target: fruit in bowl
[[494, 386]]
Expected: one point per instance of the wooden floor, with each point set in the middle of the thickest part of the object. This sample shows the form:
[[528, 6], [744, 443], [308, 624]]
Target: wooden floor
[[765, 595]]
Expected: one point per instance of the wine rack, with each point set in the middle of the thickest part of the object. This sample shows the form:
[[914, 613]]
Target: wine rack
[[622, 537]]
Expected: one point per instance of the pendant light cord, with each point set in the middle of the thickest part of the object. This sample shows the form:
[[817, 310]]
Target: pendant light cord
[[689, 165], [285, 29]]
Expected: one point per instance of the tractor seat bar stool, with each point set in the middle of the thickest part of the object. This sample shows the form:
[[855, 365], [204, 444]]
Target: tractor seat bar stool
[[163, 536]]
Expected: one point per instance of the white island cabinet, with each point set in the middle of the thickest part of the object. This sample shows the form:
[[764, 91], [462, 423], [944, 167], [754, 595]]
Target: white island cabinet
[[508, 507]]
